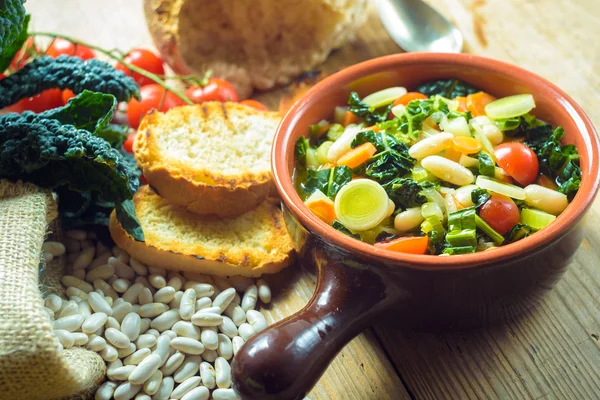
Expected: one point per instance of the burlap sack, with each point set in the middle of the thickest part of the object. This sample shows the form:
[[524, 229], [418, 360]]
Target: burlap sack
[[31, 365]]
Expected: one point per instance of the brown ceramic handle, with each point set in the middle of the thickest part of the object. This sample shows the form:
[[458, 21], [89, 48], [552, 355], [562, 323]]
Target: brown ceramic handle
[[287, 359]]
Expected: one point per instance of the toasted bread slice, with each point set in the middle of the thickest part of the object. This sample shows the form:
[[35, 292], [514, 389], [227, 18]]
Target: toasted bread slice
[[212, 158], [252, 244]]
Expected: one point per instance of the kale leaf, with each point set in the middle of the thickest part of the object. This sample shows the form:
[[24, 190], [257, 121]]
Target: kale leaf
[[115, 135], [480, 196], [405, 193], [390, 161], [66, 73], [518, 232], [329, 181], [13, 30], [487, 166], [449, 88], [370, 114], [525, 125], [338, 226], [300, 150]]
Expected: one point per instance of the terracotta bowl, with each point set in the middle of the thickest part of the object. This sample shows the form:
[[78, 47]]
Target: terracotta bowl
[[359, 284]]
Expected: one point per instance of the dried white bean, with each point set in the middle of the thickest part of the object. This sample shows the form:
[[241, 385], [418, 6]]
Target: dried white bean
[[225, 348], [228, 327], [448, 170], [53, 302], [99, 260], [96, 343], [146, 368], [201, 289], [211, 310], [176, 300], [250, 297], [408, 219], [99, 304], [163, 347], [176, 282], [85, 258], [152, 310], [102, 272], [207, 319], [152, 385], [145, 296], [70, 323], [116, 338], [101, 249], [121, 373], [70, 308], [187, 345], [109, 353], [109, 300], [112, 323], [127, 351], [136, 357], [142, 396], [158, 281], [65, 338], [105, 391], [94, 322], [153, 332], [199, 393], [145, 341], [72, 292], [545, 199], [165, 389], [227, 394], [186, 329], [264, 291], [185, 386], [54, 248], [189, 367], [222, 373], [246, 331], [70, 280], [207, 373], [132, 294], [122, 270], [131, 326], [236, 313], [121, 286], [138, 266], [236, 343], [202, 303], [224, 298], [210, 355], [121, 310], [127, 391], [107, 289], [80, 339], [113, 365], [172, 363], [145, 324], [187, 304], [165, 295], [166, 320], [210, 338], [144, 281], [79, 273], [169, 333], [257, 320], [49, 312], [123, 257], [71, 245]]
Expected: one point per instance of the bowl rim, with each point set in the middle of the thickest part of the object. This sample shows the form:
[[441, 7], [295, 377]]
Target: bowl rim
[[563, 223]]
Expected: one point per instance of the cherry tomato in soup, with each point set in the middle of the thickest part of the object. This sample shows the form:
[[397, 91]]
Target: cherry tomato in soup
[[60, 47], [22, 56], [46, 100], [519, 161], [144, 59], [216, 89], [128, 143], [500, 212], [255, 104], [153, 97]]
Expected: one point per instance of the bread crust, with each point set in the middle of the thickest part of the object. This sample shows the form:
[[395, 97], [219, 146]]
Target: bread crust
[[158, 252], [198, 188]]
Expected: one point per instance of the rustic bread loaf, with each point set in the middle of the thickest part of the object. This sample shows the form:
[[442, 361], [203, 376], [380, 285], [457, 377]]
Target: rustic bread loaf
[[251, 244], [212, 158], [251, 43]]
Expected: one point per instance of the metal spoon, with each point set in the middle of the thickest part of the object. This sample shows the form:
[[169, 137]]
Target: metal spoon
[[415, 26]]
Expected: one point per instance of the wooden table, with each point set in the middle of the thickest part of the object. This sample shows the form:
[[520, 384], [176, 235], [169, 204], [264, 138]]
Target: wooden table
[[553, 351]]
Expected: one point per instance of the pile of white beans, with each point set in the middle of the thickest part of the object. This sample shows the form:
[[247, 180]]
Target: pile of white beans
[[163, 334]]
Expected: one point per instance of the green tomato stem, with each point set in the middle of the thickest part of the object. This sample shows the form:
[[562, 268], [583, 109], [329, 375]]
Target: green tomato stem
[[155, 78]]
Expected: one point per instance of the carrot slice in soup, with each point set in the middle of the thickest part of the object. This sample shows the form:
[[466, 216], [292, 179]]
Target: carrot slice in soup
[[462, 103], [476, 103], [408, 97], [350, 118], [358, 155], [466, 144], [324, 209], [412, 245]]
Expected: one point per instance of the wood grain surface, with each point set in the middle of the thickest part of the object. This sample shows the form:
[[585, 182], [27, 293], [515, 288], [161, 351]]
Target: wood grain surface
[[552, 351]]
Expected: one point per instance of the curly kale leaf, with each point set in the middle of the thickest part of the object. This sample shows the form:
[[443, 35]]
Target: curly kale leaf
[[369, 114], [391, 160], [329, 181], [13, 30], [449, 88], [405, 193], [66, 73]]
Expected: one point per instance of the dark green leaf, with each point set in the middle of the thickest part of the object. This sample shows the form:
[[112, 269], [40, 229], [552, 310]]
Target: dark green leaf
[[114, 134], [479, 196], [486, 164], [302, 146], [329, 181], [13, 30], [369, 114], [405, 193], [449, 88], [338, 226], [125, 212], [459, 250], [518, 232]]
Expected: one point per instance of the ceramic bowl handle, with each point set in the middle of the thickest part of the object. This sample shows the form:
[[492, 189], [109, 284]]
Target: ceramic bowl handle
[[287, 359]]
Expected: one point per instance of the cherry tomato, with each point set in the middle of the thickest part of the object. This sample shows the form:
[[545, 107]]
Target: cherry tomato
[[22, 56], [144, 59], [519, 161], [152, 97], [67, 95], [128, 143], [500, 212], [61, 46], [216, 89], [255, 104], [46, 100]]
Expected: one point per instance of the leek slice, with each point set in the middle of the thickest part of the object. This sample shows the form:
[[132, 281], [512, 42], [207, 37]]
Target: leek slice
[[536, 219], [431, 209], [384, 97], [361, 205], [510, 107], [495, 186]]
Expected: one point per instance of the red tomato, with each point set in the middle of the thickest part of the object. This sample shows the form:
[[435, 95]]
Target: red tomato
[[519, 161], [61, 46], [128, 143], [144, 59], [152, 97], [216, 89], [22, 56], [500, 212], [67, 95], [255, 104], [46, 100]]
